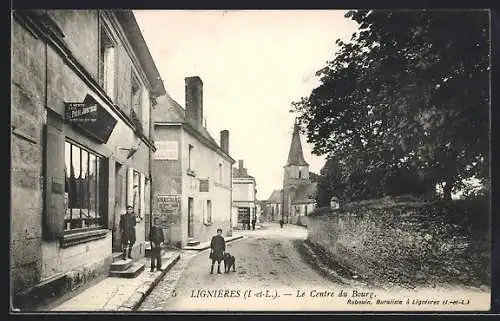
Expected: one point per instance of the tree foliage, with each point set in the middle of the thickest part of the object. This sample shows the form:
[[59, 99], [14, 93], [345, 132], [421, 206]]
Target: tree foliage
[[410, 90]]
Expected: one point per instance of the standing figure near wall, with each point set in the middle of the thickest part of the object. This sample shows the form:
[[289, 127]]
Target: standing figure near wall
[[127, 229]]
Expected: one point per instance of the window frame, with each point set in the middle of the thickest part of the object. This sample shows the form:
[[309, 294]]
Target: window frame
[[100, 189], [136, 198], [104, 29], [209, 212], [134, 80], [190, 157]]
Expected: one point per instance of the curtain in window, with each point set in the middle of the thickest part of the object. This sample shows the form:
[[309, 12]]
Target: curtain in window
[[83, 188]]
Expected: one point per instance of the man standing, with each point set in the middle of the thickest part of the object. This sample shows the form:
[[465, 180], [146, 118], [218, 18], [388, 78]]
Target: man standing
[[217, 249], [254, 220], [127, 230], [156, 238]]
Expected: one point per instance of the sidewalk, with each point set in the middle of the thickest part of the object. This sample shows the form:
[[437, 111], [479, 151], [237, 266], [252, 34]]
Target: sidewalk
[[123, 294], [120, 294]]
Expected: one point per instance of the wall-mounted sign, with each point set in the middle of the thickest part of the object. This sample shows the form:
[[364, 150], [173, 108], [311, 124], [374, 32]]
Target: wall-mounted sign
[[168, 209], [85, 112], [167, 150], [91, 118]]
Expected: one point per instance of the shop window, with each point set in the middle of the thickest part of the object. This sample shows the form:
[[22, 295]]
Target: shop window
[[107, 63], [84, 189]]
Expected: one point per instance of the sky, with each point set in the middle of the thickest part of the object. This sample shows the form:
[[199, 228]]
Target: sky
[[253, 64]]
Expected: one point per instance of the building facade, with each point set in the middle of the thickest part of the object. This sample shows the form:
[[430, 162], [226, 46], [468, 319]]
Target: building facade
[[192, 173], [244, 197], [83, 82], [273, 206], [298, 190]]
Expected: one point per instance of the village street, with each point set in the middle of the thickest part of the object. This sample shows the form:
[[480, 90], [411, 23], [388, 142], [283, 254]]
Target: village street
[[266, 259]]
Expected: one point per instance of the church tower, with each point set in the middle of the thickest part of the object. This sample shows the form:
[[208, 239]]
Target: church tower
[[296, 171]]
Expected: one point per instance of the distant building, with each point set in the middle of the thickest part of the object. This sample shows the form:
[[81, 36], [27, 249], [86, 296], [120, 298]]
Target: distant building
[[83, 83], [274, 205], [191, 172], [244, 197], [298, 190]]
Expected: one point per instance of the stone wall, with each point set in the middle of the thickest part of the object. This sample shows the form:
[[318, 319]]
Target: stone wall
[[28, 116], [408, 243]]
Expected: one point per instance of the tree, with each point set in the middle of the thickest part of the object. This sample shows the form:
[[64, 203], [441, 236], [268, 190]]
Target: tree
[[409, 91]]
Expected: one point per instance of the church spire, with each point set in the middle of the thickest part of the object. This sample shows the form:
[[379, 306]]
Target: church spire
[[295, 155]]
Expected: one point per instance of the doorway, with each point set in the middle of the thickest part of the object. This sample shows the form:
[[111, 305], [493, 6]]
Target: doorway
[[190, 217]]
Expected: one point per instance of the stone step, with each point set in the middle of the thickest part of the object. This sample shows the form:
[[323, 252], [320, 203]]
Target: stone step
[[121, 265], [129, 273], [117, 256], [193, 242]]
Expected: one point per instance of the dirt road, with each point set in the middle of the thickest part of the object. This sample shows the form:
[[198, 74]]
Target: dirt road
[[272, 276], [266, 260]]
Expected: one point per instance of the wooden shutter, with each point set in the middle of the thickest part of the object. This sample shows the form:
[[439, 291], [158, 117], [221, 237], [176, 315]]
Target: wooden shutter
[[54, 178]]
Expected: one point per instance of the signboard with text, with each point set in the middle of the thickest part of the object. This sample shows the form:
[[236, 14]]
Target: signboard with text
[[80, 112], [166, 150], [90, 118], [168, 209]]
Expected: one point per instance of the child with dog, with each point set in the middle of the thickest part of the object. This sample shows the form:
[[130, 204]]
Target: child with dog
[[217, 250]]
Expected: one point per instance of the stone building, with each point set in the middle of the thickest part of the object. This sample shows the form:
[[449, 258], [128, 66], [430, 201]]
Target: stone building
[[83, 83], [298, 190], [244, 197], [273, 206], [192, 173]]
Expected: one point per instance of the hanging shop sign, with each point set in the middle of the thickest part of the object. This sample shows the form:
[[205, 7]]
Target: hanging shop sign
[[90, 118]]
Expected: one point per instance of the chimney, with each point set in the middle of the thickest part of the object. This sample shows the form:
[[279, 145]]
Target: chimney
[[194, 100], [224, 141], [240, 164]]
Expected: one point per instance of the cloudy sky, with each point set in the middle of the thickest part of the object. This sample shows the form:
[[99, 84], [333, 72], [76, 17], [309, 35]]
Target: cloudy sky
[[253, 64]]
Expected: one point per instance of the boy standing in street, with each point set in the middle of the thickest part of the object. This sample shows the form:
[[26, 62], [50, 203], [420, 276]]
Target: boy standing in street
[[127, 229], [217, 249], [156, 238]]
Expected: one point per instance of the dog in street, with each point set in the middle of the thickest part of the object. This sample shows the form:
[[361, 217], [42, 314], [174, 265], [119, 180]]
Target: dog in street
[[229, 261]]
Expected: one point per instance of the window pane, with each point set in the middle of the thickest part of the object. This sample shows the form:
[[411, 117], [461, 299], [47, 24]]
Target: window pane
[[92, 187], [76, 191], [84, 189], [67, 184]]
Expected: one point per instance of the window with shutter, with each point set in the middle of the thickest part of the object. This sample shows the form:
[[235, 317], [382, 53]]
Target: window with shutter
[[203, 185]]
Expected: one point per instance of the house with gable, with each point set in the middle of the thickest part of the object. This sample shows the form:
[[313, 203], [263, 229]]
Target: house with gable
[[192, 179]]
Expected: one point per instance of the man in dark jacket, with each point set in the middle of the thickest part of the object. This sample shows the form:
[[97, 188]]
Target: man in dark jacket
[[156, 238], [217, 249], [127, 230]]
